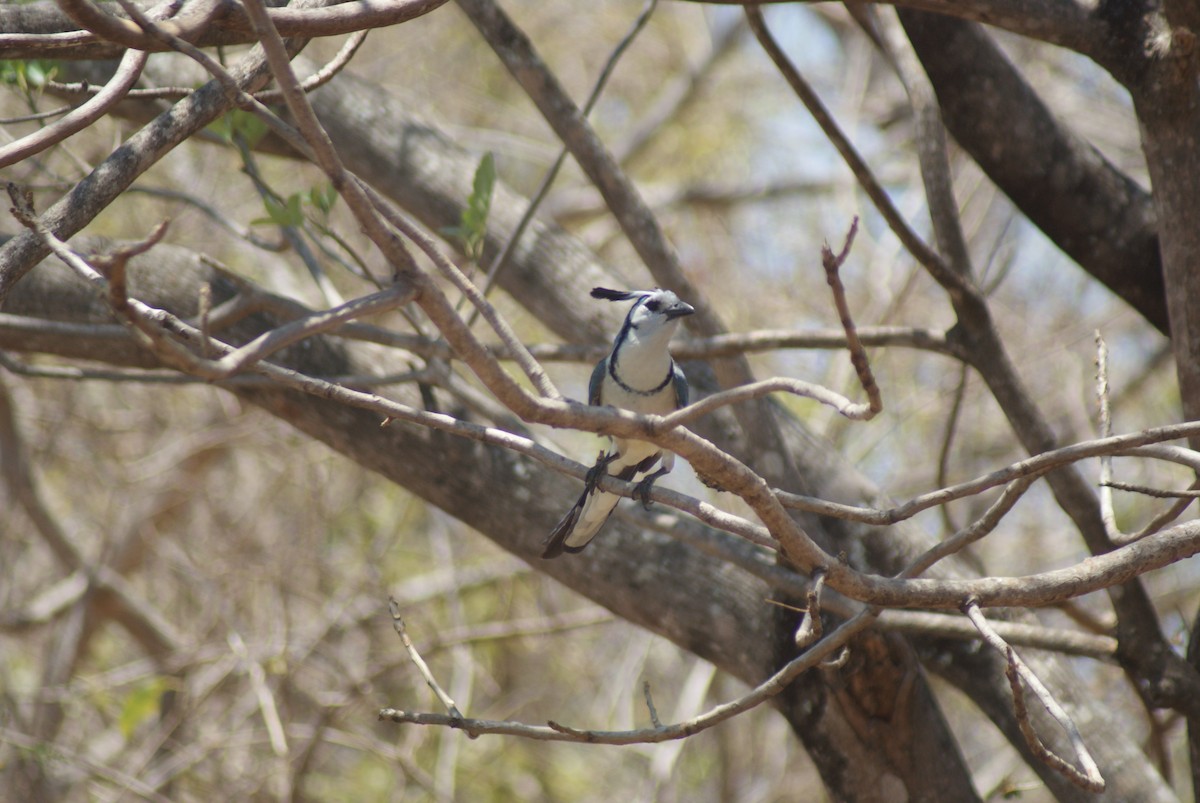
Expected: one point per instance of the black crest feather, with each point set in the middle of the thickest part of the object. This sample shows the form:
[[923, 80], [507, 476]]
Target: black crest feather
[[612, 295]]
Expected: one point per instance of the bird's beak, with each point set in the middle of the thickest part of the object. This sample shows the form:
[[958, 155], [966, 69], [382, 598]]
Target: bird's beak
[[679, 310]]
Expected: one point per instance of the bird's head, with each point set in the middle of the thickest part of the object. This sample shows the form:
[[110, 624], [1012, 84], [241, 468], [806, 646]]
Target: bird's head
[[652, 309]]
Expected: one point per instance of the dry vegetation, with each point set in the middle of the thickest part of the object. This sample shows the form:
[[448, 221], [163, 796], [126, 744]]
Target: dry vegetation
[[195, 567]]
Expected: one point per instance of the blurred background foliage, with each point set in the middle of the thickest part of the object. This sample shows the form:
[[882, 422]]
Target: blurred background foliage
[[274, 557]]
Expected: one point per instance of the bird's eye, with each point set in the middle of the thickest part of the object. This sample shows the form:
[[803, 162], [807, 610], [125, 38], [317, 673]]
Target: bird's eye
[[653, 305]]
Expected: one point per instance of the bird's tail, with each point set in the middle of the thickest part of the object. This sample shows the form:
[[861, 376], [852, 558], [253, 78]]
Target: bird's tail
[[582, 522], [587, 516]]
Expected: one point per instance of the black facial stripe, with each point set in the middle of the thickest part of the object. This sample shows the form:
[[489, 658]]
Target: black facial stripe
[[625, 327]]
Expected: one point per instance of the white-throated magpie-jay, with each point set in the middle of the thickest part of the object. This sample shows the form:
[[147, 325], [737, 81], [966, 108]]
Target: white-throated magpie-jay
[[637, 375]]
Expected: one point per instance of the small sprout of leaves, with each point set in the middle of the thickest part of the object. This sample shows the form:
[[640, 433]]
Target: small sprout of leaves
[[239, 122], [28, 75], [281, 213], [290, 211], [472, 227], [322, 197]]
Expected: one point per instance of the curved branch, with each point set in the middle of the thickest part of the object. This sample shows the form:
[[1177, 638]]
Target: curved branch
[[127, 34], [46, 30], [81, 117], [114, 175], [553, 731]]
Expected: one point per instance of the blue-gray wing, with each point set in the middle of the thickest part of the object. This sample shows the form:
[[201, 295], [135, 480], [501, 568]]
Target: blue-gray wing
[[596, 381], [681, 387]]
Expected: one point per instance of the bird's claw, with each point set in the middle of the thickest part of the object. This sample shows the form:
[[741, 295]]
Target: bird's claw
[[593, 475], [641, 491]]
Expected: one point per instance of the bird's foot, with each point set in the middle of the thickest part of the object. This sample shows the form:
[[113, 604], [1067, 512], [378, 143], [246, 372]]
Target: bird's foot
[[602, 461], [641, 491]]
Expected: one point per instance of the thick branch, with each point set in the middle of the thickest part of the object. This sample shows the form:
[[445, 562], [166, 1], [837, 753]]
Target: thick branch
[[1097, 215]]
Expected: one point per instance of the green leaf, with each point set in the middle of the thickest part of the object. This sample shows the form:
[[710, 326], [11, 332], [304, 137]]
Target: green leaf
[[27, 74], [485, 182], [246, 124], [472, 227], [286, 213], [323, 198], [295, 215], [250, 126]]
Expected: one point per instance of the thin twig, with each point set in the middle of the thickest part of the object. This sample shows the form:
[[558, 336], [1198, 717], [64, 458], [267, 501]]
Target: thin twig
[[1107, 514], [654, 720], [326, 73], [858, 355], [1088, 777], [756, 390], [36, 116], [978, 529], [332, 20], [676, 96], [313, 82], [283, 336], [811, 628], [932, 261], [950, 430], [535, 201], [1049, 587], [1036, 465], [266, 700], [1156, 493], [419, 662], [554, 731], [127, 74]]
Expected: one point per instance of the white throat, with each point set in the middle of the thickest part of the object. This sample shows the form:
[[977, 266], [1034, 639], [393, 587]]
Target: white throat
[[643, 360]]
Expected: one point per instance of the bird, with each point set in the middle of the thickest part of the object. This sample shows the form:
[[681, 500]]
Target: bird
[[638, 375]]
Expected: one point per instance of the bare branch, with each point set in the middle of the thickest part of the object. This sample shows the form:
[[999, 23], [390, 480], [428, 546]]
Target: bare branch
[[130, 34], [811, 628], [280, 338], [1089, 777], [1156, 493], [932, 261], [557, 732], [1046, 588], [419, 662], [228, 25], [931, 153], [539, 195], [114, 175], [1034, 466], [650, 705], [858, 357], [1106, 502], [79, 118]]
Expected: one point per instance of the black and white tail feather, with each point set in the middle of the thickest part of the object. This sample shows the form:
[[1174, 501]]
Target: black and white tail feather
[[637, 375]]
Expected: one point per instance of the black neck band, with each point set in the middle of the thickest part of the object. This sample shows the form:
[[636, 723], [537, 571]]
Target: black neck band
[[612, 371]]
